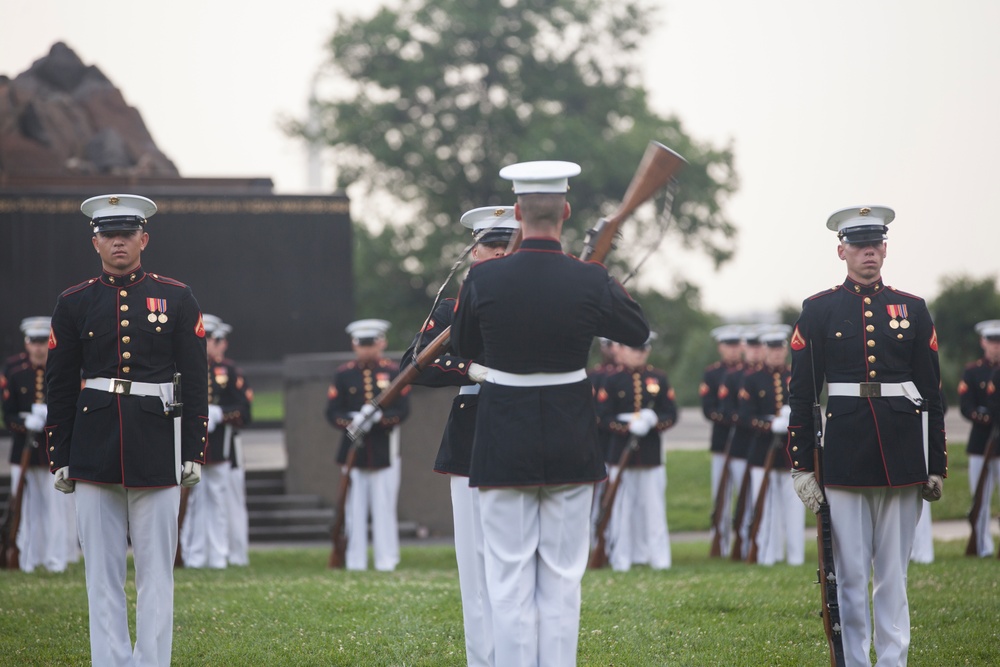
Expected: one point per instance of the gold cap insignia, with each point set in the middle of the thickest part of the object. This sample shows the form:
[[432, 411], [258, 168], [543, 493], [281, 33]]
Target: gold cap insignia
[[499, 212], [865, 211]]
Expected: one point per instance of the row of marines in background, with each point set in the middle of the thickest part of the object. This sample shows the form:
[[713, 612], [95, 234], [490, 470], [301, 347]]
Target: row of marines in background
[[215, 530], [743, 395]]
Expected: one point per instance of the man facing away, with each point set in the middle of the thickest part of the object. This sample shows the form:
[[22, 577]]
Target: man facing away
[[532, 317]]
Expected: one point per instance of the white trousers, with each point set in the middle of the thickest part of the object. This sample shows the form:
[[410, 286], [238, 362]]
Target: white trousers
[[107, 515], [923, 537], [637, 532], [786, 516], [985, 546], [205, 542], [472, 573], [873, 532], [239, 519], [536, 550], [372, 490], [41, 537]]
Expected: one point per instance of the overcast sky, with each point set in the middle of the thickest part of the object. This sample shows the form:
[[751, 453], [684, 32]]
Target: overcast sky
[[827, 105]]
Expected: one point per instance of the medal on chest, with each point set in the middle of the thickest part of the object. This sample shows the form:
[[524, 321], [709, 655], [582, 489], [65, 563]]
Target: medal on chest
[[898, 315], [157, 310]]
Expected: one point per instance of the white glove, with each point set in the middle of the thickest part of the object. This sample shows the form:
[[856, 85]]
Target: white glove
[[638, 426], [932, 488], [191, 474], [478, 373], [34, 422], [214, 417], [808, 489], [780, 423], [40, 409], [367, 417], [63, 482], [650, 417]]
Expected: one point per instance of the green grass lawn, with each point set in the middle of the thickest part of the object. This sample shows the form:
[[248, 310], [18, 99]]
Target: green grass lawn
[[287, 608], [689, 501], [268, 406]]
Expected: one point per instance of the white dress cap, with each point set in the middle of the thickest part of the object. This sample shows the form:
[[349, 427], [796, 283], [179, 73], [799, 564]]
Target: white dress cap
[[491, 223], [36, 327], [210, 322], [988, 328], [367, 329], [215, 327], [861, 223], [540, 177], [118, 212], [728, 333], [775, 335]]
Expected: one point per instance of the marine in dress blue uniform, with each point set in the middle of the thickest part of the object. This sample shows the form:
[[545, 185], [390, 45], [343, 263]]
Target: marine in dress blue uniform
[[493, 228], [215, 502], [710, 391], [973, 402], [884, 445], [120, 441], [531, 317], [744, 436], [763, 407], [638, 402], [47, 535], [375, 474]]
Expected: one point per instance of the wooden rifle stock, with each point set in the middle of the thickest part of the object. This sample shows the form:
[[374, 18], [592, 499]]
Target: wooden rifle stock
[[659, 164], [826, 573], [758, 507], [972, 546], [719, 507], [10, 555], [741, 510], [599, 554], [181, 515], [338, 537]]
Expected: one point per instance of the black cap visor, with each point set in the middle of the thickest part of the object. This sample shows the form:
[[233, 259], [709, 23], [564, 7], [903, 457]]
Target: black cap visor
[[502, 235], [122, 223], [864, 234]]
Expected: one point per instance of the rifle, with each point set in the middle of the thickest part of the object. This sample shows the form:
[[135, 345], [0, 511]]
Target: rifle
[[718, 509], [972, 546], [599, 554], [181, 513], [658, 166], [826, 573], [9, 553], [741, 509], [758, 509], [338, 554]]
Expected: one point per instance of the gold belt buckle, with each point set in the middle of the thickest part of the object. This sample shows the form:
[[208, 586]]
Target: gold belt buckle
[[870, 390], [123, 387]]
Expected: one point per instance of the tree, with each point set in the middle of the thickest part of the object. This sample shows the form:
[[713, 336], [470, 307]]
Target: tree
[[962, 302], [443, 93]]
